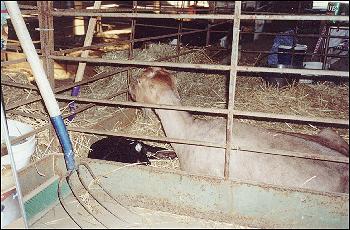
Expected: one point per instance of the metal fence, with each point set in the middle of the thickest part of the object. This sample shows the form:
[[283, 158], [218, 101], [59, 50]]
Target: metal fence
[[46, 14]]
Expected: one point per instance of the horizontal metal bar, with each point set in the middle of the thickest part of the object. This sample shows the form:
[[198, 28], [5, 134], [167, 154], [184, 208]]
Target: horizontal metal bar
[[126, 41], [94, 78], [27, 7], [210, 110], [306, 54], [208, 144], [30, 115], [63, 88], [295, 17], [20, 60], [142, 63], [143, 105], [294, 71], [79, 110], [141, 15], [29, 12], [143, 137], [183, 28], [201, 16], [203, 66], [294, 35], [150, 8], [19, 85], [342, 122]]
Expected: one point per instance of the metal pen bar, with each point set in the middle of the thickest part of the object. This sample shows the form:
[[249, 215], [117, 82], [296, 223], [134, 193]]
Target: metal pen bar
[[237, 113], [19, 85], [145, 105], [126, 41], [88, 13], [63, 88], [214, 145], [203, 66], [79, 110], [292, 118], [5, 131], [6, 63], [31, 115], [98, 76], [232, 88], [344, 74], [295, 17]]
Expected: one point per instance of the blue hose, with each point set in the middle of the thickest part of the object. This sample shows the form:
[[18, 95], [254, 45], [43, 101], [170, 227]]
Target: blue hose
[[64, 139]]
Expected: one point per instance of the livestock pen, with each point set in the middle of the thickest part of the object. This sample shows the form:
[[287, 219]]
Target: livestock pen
[[161, 195]]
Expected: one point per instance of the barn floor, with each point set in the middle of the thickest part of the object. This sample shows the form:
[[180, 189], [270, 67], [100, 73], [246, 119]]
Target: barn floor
[[57, 218]]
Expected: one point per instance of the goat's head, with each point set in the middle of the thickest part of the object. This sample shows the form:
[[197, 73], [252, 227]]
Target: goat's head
[[154, 84]]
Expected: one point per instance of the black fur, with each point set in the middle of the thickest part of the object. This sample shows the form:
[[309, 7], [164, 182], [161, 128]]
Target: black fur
[[121, 149]]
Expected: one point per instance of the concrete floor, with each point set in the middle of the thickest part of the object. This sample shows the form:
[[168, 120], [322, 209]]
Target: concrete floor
[[57, 218]]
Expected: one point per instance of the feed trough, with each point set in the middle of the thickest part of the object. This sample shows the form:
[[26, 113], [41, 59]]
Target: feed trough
[[155, 197]]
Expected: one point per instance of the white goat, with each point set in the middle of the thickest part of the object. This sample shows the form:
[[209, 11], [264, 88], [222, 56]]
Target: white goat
[[157, 86]]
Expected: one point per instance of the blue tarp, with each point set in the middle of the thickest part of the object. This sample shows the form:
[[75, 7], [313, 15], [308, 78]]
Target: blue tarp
[[279, 40]]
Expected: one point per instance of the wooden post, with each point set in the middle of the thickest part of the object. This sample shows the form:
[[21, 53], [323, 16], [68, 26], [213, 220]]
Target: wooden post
[[47, 47], [47, 38]]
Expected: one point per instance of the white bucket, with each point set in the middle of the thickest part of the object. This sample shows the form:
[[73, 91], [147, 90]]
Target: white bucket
[[24, 149], [310, 65]]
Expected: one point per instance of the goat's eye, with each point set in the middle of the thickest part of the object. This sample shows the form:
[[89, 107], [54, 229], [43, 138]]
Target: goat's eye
[[138, 81]]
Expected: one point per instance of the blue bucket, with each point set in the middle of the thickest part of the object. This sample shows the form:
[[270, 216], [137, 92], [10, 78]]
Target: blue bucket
[[299, 55], [286, 57]]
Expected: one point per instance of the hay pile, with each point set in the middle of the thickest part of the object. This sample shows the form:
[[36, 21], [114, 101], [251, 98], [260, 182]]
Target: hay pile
[[202, 89]]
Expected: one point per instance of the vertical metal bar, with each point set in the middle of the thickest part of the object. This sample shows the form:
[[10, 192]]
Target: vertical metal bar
[[179, 33], [232, 86], [329, 33], [131, 46], [212, 6], [4, 130], [132, 34]]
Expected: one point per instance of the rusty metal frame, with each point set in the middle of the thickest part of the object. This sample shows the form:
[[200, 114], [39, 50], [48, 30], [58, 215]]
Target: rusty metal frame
[[230, 112]]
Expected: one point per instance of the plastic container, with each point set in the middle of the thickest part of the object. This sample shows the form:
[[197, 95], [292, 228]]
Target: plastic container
[[299, 55], [286, 58], [310, 65], [23, 150]]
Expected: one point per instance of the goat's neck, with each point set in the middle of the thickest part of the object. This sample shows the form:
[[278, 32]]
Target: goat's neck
[[175, 123]]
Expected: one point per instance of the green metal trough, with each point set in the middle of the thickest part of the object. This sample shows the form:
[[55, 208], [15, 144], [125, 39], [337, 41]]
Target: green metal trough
[[245, 203]]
